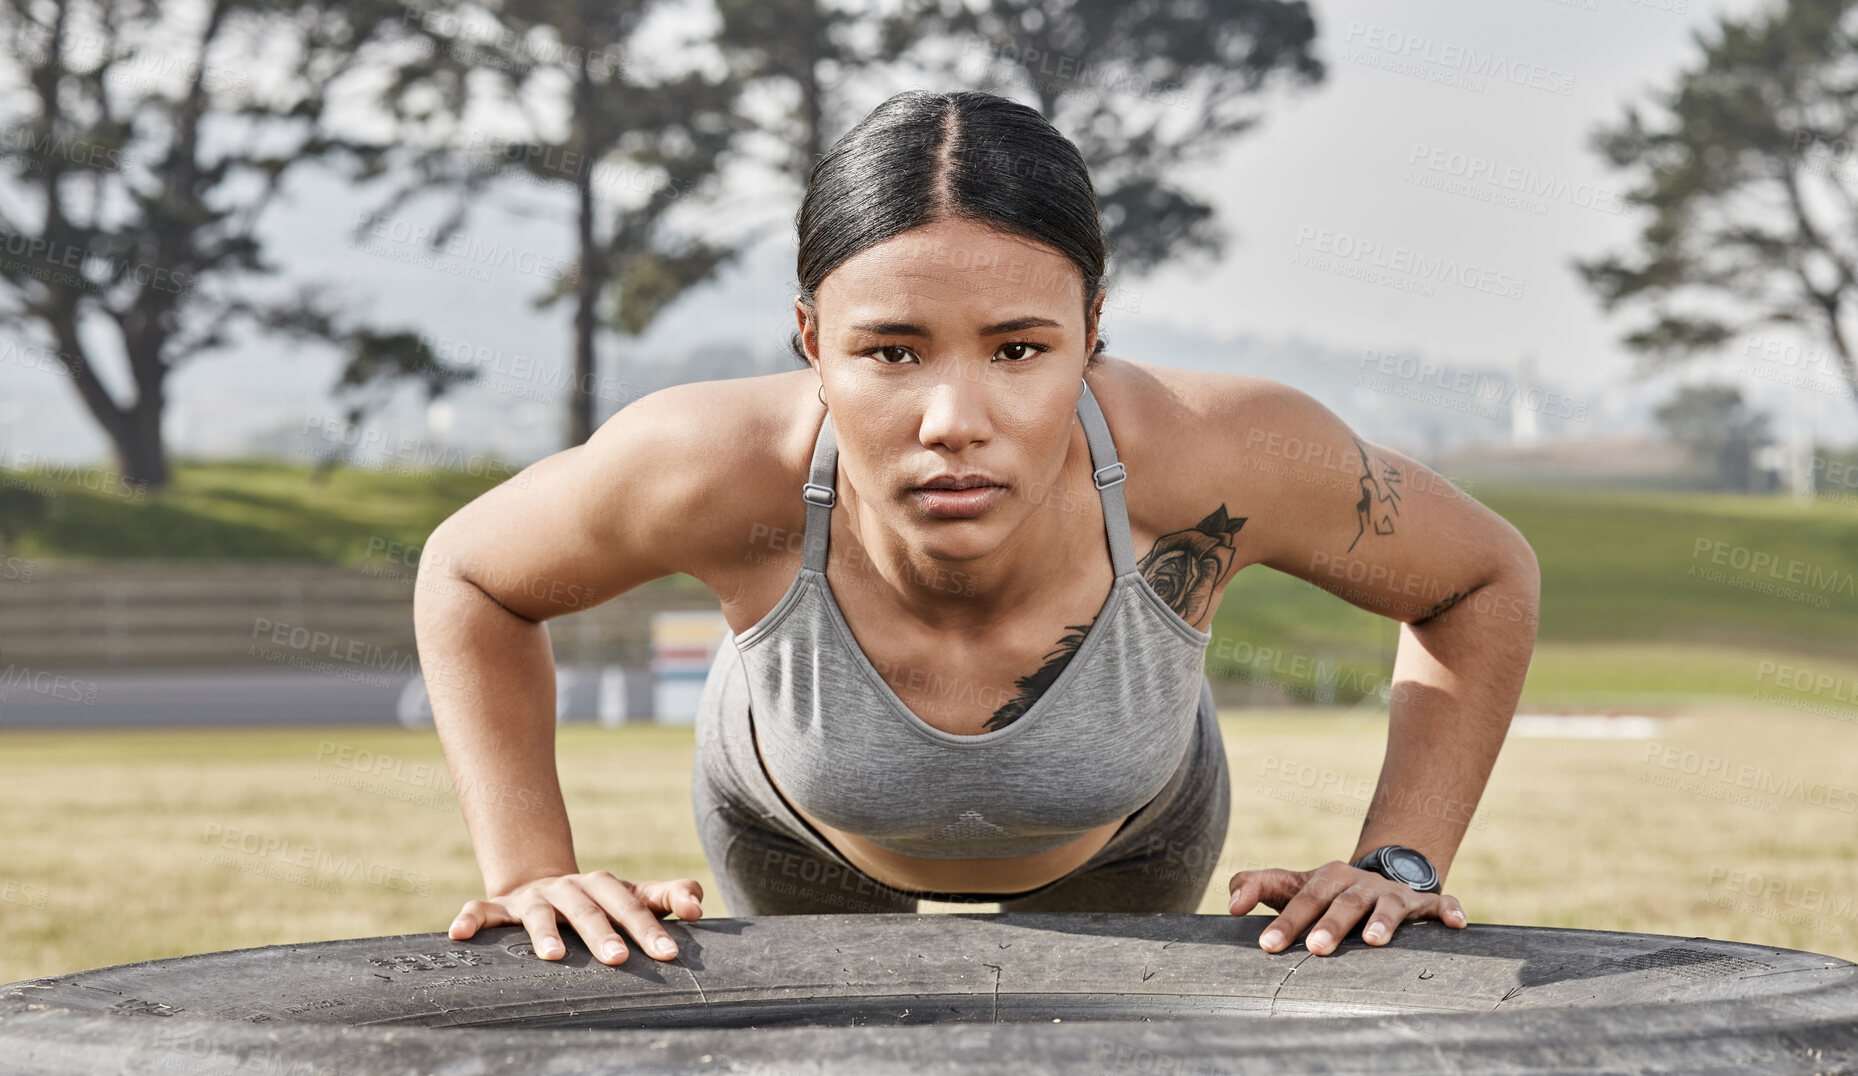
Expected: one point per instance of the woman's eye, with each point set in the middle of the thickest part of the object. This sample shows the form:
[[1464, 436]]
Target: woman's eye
[[879, 351], [1034, 349]]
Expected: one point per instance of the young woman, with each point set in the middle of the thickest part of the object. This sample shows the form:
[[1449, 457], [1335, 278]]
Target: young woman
[[970, 564]]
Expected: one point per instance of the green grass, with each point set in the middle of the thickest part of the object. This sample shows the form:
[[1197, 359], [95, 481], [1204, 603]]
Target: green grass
[[1623, 616], [236, 509], [113, 852]]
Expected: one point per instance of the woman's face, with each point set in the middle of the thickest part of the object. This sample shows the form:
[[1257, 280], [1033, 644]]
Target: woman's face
[[951, 349]]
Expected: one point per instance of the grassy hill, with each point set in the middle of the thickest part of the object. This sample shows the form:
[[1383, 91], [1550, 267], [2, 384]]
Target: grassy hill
[[1645, 594]]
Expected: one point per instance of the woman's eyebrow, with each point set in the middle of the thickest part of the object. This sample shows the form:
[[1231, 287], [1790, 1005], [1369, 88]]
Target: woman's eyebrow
[[910, 328]]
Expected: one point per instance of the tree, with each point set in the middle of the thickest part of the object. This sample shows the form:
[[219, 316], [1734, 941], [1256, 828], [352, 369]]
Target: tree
[[140, 172], [668, 133], [1143, 87], [1753, 219], [1718, 430]]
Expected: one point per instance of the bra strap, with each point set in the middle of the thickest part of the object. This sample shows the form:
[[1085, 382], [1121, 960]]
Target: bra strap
[[819, 495], [1107, 473]]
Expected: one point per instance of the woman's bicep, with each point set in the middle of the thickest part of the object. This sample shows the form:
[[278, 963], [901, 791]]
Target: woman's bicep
[[1369, 524]]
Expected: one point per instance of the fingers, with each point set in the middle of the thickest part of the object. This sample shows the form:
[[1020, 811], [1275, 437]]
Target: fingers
[[538, 917], [680, 898], [1388, 913], [1320, 887], [1341, 895], [1345, 911], [476, 915], [636, 908], [587, 902], [591, 903], [1274, 887]]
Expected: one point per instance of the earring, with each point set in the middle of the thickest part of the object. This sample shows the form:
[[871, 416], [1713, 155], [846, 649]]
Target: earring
[[821, 394]]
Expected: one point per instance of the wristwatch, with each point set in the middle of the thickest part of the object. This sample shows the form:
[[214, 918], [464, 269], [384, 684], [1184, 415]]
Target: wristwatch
[[1402, 864]]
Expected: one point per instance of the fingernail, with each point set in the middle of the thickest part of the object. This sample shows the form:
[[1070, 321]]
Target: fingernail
[[551, 947], [1321, 938], [611, 950], [664, 947], [1374, 933], [1271, 938]]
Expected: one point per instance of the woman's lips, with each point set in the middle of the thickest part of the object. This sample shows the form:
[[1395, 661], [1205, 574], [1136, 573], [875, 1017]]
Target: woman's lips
[[958, 503]]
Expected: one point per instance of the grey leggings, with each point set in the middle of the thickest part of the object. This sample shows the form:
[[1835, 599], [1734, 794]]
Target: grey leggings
[[769, 861]]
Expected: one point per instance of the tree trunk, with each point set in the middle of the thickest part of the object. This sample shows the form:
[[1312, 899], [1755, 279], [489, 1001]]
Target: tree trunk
[[580, 400], [140, 453]]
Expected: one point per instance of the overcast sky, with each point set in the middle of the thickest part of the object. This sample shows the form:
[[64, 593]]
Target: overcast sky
[[1405, 158]]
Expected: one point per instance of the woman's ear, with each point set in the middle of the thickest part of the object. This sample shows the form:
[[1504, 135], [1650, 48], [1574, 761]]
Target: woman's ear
[[807, 332]]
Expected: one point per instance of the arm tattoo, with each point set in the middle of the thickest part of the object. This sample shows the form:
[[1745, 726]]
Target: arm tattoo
[[1380, 497], [1185, 568]]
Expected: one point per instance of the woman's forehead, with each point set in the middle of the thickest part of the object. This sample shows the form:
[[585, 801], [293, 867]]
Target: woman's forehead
[[985, 272]]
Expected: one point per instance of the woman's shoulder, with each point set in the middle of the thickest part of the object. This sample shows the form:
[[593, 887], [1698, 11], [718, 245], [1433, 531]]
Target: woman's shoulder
[[1189, 439], [741, 447]]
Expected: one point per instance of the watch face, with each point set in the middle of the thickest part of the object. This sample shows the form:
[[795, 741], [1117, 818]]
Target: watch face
[[1408, 866]]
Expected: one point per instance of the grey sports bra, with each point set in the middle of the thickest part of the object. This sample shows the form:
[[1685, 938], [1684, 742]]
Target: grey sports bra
[[1102, 740]]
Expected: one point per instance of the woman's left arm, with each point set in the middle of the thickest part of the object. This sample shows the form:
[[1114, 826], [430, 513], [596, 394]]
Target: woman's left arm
[[1383, 532]]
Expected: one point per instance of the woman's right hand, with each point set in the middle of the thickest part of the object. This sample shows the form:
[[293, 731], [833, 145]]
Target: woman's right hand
[[592, 902]]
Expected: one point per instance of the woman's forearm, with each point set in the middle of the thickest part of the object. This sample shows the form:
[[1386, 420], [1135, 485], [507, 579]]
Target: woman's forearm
[[1457, 677], [490, 675]]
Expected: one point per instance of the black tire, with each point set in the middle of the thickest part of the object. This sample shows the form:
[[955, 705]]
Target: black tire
[[981, 993]]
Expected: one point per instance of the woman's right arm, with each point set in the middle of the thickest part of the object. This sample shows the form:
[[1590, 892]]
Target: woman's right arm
[[571, 531]]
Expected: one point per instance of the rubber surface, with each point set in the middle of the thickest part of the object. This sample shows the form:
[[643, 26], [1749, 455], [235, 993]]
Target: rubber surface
[[976, 993]]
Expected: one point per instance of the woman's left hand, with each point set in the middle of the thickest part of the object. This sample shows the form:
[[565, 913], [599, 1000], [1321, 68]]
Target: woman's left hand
[[1345, 893]]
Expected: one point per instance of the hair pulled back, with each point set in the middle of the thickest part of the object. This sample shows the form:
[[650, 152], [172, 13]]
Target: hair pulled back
[[924, 156]]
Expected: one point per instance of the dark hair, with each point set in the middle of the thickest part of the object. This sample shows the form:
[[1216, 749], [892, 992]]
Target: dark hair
[[922, 157]]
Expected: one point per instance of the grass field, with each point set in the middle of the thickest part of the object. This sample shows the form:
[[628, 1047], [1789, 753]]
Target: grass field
[[117, 841], [1732, 617], [1630, 608]]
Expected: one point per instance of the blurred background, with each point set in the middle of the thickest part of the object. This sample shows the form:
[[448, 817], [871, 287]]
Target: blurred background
[[283, 284]]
